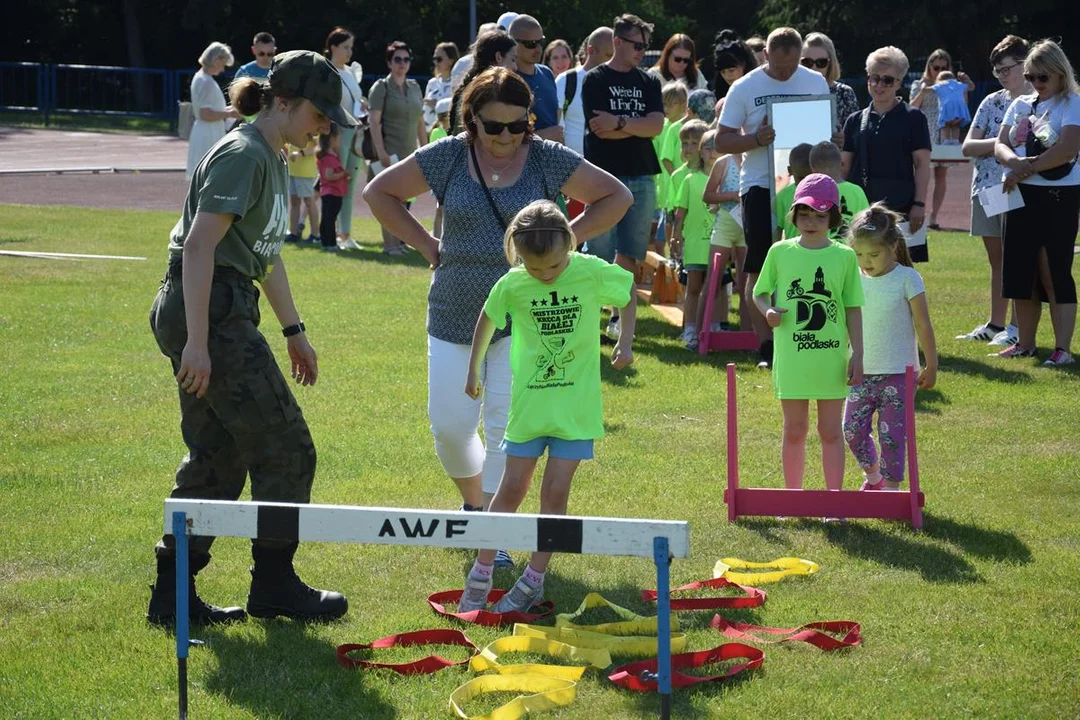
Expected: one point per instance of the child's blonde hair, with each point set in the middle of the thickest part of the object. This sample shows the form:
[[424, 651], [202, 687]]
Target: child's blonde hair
[[694, 130], [945, 75], [708, 140], [540, 228], [673, 92], [881, 225]]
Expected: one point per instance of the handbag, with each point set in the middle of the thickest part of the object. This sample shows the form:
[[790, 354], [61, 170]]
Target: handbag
[[1034, 147]]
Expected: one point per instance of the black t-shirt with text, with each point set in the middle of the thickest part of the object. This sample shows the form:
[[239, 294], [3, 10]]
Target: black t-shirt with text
[[632, 94]]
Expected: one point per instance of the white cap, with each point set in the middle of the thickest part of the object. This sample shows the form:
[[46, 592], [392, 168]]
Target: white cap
[[443, 106], [505, 19]]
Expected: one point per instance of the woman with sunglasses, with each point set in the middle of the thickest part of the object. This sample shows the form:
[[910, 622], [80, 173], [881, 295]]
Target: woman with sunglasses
[[819, 54], [1007, 61], [1038, 144], [923, 97], [482, 178], [397, 122], [887, 145], [439, 86], [678, 62]]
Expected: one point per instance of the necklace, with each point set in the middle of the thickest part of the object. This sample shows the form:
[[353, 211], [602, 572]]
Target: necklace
[[495, 171]]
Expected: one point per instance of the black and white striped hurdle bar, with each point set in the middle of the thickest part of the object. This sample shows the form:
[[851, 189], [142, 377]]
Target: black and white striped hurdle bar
[[450, 529]]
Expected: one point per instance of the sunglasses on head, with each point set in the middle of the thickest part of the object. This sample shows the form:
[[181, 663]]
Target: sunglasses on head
[[819, 63], [264, 54], [401, 59], [1037, 77], [517, 127], [638, 46], [682, 60], [530, 44], [883, 80]]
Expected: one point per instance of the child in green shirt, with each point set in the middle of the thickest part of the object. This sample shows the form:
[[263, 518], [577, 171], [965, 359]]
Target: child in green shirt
[[693, 226], [798, 168], [825, 158], [553, 297], [674, 96], [815, 319], [438, 131]]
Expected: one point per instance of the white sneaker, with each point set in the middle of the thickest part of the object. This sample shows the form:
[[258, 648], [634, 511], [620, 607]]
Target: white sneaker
[[689, 333], [612, 330], [982, 333], [348, 244], [1005, 338], [719, 327], [520, 598], [475, 595]]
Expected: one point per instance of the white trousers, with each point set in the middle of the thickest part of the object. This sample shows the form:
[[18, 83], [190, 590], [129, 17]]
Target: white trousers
[[455, 417]]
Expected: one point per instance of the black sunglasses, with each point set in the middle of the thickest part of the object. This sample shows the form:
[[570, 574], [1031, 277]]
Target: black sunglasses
[[638, 46], [1037, 77], [680, 60], [939, 68], [517, 127], [819, 63], [399, 60], [531, 44], [264, 54], [883, 80]]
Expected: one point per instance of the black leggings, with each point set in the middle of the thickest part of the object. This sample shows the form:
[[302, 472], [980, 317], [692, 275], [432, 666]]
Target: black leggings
[[331, 206], [1048, 221]]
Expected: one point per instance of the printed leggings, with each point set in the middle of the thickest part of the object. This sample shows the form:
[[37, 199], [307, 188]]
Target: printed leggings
[[883, 394]]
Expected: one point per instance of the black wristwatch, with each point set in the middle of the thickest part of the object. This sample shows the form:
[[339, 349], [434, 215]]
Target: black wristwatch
[[293, 329], [621, 124]]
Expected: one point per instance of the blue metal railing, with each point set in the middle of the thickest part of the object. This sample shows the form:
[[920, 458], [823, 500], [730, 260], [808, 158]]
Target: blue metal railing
[[47, 89]]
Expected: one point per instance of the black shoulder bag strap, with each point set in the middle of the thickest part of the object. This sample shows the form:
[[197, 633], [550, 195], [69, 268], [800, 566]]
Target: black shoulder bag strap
[[864, 148], [487, 191], [571, 90]]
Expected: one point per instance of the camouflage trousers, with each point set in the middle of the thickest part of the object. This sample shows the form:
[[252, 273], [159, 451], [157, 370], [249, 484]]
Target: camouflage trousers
[[248, 422]]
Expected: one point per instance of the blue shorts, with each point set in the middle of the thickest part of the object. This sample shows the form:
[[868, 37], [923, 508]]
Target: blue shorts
[[302, 187], [661, 225], [630, 237], [556, 447]]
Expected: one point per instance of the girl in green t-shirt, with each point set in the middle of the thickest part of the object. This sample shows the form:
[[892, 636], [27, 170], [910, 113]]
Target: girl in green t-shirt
[[693, 225], [815, 319], [553, 297]]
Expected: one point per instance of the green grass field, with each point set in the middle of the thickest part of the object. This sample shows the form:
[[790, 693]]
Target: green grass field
[[977, 616]]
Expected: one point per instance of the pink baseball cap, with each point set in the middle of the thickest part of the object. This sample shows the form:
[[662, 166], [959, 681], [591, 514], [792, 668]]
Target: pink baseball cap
[[818, 192]]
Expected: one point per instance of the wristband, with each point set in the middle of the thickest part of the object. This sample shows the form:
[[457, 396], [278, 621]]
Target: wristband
[[617, 646], [641, 676], [782, 567], [486, 617], [751, 598], [488, 659], [291, 330], [813, 633], [631, 623], [424, 666], [918, 203], [621, 124], [543, 693]]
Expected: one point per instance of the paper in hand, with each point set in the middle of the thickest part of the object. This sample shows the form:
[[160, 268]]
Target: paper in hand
[[919, 238], [995, 200]]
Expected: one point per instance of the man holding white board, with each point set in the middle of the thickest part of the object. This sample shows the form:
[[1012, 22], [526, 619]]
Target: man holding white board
[[745, 130]]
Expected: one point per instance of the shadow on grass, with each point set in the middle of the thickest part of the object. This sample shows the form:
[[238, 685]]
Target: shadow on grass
[[660, 339], [929, 402], [982, 368], [288, 673], [994, 545], [370, 253]]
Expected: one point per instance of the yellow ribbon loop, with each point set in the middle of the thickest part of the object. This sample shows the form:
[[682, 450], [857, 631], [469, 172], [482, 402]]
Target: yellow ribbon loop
[[625, 646], [488, 658], [539, 692], [781, 568], [631, 623]]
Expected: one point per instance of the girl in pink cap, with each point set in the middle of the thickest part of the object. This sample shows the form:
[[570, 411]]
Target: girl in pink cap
[[817, 327]]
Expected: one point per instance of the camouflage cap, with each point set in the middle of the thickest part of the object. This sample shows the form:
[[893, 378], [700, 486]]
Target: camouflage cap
[[306, 74]]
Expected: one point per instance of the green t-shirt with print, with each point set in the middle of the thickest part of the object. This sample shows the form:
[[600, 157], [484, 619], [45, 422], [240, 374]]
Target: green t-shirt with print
[[555, 346], [243, 177], [816, 287], [681, 171], [852, 202], [697, 225]]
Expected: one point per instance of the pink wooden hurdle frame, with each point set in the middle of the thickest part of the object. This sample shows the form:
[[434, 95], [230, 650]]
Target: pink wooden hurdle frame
[[725, 340], [823, 503]]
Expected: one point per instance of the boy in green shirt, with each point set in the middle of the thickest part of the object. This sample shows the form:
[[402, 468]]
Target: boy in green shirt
[[553, 297], [674, 97], [798, 168], [825, 158]]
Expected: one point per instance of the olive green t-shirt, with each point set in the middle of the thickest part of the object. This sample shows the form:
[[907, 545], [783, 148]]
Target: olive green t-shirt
[[555, 346], [241, 176]]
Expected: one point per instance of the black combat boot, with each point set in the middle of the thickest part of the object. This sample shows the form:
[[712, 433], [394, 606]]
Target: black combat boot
[[277, 591], [162, 610]]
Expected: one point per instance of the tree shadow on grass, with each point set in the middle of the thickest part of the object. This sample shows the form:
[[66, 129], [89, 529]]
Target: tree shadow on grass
[[982, 368], [288, 673]]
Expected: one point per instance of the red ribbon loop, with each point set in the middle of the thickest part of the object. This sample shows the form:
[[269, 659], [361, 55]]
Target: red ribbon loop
[[814, 633], [424, 666], [753, 597], [641, 675], [486, 617]]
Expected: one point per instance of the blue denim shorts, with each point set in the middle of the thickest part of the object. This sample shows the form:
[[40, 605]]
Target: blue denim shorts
[[556, 447], [630, 237]]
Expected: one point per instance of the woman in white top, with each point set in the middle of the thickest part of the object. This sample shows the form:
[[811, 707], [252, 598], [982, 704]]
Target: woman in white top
[[1038, 145], [678, 62], [339, 50], [208, 104], [439, 86]]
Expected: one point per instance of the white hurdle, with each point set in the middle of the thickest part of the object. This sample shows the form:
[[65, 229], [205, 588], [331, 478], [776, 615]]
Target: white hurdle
[[660, 539]]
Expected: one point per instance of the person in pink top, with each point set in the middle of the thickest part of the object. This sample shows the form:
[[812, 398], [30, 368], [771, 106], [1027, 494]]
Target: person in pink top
[[333, 185]]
